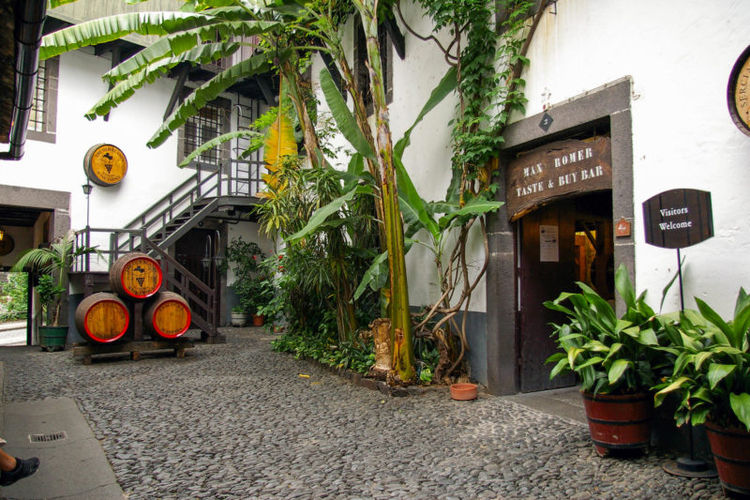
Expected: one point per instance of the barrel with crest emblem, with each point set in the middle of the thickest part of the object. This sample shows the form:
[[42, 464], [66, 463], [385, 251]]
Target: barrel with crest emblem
[[135, 276]]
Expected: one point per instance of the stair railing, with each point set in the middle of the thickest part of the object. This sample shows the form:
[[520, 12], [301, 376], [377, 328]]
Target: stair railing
[[155, 218]]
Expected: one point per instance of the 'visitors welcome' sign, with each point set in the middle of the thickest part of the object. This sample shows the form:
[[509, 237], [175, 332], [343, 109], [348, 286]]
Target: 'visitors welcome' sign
[[678, 218]]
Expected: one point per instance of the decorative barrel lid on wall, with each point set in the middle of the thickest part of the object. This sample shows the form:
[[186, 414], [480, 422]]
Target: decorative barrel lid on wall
[[738, 92], [105, 164]]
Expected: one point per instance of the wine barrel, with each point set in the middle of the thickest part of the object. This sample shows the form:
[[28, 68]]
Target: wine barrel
[[102, 317], [135, 276], [168, 316]]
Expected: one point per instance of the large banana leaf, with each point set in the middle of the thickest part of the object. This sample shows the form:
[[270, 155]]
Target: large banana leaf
[[446, 86], [415, 210], [111, 28], [414, 203], [474, 207], [177, 43], [375, 277], [216, 141], [56, 3], [346, 123], [122, 91], [321, 214], [280, 142], [207, 92]]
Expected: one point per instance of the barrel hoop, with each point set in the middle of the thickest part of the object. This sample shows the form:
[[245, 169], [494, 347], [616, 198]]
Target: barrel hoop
[[117, 337], [735, 488], [621, 399], [628, 446], [724, 432], [171, 335], [619, 422], [731, 460]]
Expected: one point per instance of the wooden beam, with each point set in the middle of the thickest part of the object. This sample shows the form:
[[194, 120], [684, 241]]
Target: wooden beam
[[266, 89], [397, 38], [182, 75], [337, 79], [116, 59]]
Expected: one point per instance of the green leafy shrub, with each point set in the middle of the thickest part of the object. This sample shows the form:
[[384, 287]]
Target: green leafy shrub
[[325, 349], [250, 279], [711, 370], [610, 355], [15, 292]]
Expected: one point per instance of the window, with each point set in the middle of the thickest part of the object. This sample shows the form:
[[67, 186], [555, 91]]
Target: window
[[362, 74], [210, 122], [43, 115]]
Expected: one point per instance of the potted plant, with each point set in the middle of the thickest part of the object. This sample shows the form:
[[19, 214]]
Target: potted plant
[[249, 286], [52, 264], [239, 316], [711, 373], [613, 359]]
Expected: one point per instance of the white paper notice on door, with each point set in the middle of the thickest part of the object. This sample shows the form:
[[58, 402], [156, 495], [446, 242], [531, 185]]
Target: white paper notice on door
[[549, 248]]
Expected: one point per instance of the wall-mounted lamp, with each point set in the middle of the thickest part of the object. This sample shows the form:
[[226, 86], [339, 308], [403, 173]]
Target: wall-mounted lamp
[[2, 234]]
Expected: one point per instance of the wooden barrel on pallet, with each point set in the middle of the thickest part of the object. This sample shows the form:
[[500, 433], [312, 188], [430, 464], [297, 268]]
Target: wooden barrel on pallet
[[102, 317], [168, 316], [135, 275]]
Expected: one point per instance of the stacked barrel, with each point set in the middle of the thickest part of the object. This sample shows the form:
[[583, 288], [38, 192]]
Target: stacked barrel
[[135, 277]]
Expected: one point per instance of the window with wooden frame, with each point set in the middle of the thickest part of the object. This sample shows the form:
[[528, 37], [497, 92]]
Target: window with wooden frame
[[362, 73], [210, 122], [43, 114]]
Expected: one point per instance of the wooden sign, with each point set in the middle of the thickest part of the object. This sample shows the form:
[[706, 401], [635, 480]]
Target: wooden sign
[[678, 218], [105, 164], [738, 92], [622, 228], [557, 170]]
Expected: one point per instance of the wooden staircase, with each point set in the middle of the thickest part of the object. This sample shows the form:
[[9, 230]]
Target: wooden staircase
[[161, 225]]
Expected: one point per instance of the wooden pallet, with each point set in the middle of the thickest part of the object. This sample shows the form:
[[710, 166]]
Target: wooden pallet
[[133, 348]]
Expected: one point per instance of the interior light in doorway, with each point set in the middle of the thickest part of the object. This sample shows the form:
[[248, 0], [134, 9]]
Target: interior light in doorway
[[2, 234]]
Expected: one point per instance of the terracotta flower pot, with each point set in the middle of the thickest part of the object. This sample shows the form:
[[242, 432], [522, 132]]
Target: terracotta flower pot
[[731, 449], [258, 320], [618, 421], [464, 392]]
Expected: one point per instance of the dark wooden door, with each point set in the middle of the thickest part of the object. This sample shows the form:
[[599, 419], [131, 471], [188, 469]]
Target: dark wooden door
[[546, 268]]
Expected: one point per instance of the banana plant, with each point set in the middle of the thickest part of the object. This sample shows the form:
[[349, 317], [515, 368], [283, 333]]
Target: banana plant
[[711, 369]]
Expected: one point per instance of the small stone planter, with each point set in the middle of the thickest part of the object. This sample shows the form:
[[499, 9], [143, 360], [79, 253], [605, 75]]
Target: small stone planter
[[464, 392], [238, 318]]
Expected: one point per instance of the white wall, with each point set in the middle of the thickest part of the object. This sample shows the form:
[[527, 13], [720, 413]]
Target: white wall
[[151, 173], [679, 56]]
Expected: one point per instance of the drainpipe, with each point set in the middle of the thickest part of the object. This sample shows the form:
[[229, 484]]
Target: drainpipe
[[30, 16]]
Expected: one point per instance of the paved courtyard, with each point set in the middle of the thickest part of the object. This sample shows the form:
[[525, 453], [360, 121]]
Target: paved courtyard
[[236, 420]]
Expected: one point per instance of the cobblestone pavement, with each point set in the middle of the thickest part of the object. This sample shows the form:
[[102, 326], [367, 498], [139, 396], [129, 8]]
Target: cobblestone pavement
[[237, 421]]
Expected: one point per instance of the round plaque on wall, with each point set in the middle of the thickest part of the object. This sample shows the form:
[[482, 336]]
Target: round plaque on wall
[[105, 164], [738, 92], [7, 244]]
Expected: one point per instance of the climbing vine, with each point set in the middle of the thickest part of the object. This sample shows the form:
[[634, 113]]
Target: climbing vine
[[488, 57]]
